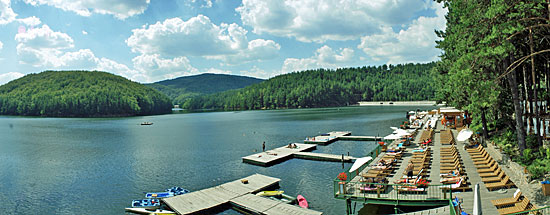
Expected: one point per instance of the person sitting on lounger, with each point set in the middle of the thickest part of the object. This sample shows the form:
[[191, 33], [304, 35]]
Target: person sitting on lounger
[[453, 173]]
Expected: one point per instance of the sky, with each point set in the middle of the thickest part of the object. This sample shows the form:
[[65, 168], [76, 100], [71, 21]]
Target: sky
[[152, 40]]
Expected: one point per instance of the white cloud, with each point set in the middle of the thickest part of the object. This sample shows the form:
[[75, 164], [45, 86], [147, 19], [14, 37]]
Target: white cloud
[[6, 12], [1, 45], [121, 9], [414, 44], [6, 77], [84, 32], [259, 73], [41, 46], [324, 57], [155, 68], [198, 36], [321, 20], [30, 21], [218, 71]]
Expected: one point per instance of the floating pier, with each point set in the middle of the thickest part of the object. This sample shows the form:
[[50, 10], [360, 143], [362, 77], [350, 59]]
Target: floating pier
[[360, 138], [277, 155], [236, 193], [323, 157], [327, 138]]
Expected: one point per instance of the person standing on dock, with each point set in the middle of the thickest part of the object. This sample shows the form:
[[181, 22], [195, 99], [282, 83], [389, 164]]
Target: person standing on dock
[[409, 169], [263, 146]]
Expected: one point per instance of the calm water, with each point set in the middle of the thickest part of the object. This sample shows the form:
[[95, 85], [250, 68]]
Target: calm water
[[97, 166]]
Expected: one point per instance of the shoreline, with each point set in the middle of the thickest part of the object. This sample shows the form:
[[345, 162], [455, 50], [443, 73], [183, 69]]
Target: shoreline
[[396, 103]]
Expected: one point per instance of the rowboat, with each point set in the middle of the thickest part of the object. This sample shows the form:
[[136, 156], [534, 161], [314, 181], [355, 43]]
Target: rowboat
[[284, 198], [146, 123], [146, 203], [302, 201], [269, 193], [149, 211]]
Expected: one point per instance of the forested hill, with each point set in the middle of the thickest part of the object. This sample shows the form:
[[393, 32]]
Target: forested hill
[[325, 88], [79, 94], [182, 88]]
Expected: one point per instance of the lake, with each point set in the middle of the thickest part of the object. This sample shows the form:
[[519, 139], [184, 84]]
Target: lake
[[98, 165]]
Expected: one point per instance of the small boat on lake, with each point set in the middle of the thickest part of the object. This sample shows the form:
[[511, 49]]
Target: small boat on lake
[[269, 193], [284, 198], [146, 203], [302, 201], [173, 191], [146, 123], [149, 211]]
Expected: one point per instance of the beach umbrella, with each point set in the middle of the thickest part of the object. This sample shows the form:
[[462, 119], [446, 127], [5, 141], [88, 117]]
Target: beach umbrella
[[464, 134], [359, 162]]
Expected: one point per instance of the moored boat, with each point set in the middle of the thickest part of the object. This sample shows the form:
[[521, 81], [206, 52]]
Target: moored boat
[[146, 203], [149, 211], [146, 123], [173, 191], [269, 193], [302, 201]]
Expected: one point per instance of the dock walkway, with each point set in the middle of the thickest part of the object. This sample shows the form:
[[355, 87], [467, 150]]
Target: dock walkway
[[277, 155], [236, 193], [323, 157], [327, 138]]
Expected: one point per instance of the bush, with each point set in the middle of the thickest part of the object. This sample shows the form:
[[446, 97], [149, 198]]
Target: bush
[[539, 167]]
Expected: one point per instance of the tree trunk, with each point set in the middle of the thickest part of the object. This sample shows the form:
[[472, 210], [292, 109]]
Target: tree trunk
[[484, 123], [528, 107], [535, 91], [520, 128]]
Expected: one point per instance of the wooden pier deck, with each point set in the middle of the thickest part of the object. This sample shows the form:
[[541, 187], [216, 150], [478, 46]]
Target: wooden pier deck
[[323, 157], [261, 205], [276, 155], [236, 193], [327, 138]]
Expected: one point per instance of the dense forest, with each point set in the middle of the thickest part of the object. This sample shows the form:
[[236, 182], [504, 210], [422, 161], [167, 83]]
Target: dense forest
[[326, 88], [496, 65], [79, 94], [182, 88]]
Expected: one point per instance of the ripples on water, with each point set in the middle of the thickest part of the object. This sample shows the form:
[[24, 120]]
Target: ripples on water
[[97, 166]]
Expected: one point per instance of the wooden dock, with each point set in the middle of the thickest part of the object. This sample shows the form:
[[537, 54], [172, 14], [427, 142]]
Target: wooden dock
[[235, 193], [327, 138], [323, 157], [261, 205], [361, 138], [276, 155]]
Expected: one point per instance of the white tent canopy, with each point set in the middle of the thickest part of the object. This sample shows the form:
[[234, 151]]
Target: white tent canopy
[[359, 162]]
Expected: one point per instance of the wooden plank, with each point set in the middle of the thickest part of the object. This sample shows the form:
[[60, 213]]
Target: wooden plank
[[323, 157], [273, 156], [284, 209], [254, 203]]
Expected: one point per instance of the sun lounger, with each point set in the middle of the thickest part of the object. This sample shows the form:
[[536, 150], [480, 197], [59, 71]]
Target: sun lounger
[[507, 201], [497, 178], [496, 170], [522, 205], [504, 183], [486, 166], [460, 185], [491, 169], [477, 149]]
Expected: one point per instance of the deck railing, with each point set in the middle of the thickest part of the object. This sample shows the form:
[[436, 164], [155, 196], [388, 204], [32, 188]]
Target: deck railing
[[541, 211], [375, 152], [394, 192]]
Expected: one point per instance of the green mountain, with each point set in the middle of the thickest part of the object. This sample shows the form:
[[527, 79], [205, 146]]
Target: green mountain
[[80, 94], [182, 88], [326, 88]]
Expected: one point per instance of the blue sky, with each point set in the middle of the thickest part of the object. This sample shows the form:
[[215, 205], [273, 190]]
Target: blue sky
[[152, 40]]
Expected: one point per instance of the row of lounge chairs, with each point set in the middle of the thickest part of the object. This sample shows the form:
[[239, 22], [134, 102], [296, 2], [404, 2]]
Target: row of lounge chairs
[[427, 134], [515, 204], [421, 161], [447, 137], [489, 171], [378, 172], [452, 170]]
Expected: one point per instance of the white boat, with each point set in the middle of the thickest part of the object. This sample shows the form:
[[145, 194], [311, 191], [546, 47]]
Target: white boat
[[149, 211]]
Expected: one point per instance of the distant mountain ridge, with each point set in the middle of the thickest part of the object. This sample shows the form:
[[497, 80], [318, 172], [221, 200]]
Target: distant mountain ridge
[[183, 88]]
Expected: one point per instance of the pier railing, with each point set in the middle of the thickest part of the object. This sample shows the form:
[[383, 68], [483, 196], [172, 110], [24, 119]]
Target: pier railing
[[391, 192], [543, 210], [374, 153]]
